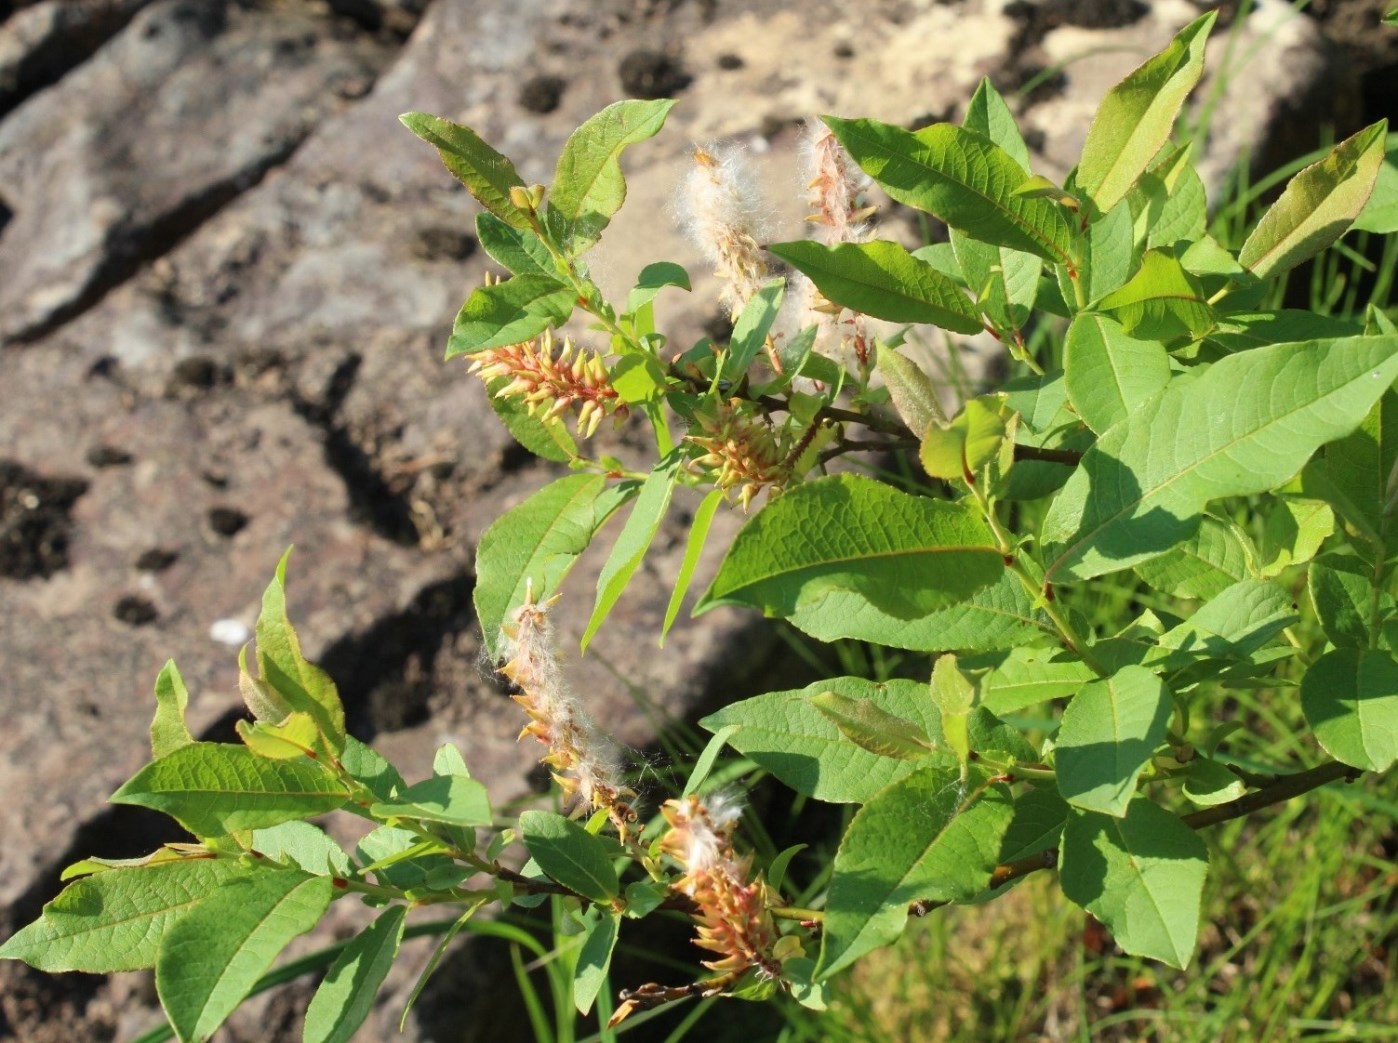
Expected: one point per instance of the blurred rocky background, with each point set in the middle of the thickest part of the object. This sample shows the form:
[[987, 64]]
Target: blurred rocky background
[[227, 275]]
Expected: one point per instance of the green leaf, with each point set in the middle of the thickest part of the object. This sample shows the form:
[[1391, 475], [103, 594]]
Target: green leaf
[[1236, 622], [976, 438], [751, 329], [911, 389], [488, 175], [1168, 201], [545, 438], [636, 535], [1292, 533], [698, 534], [1352, 473], [537, 542], [997, 616], [212, 957], [453, 799], [399, 858], [787, 735], [1029, 676], [655, 277], [905, 555], [989, 115], [169, 730], [1244, 426], [1343, 590], [305, 687], [295, 737], [1240, 332], [873, 728], [509, 312], [962, 178], [114, 921], [1318, 205], [954, 697], [930, 837], [367, 765], [1111, 252], [588, 186], [213, 789], [594, 959], [1162, 301], [1141, 875], [518, 250], [1135, 118], [1005, 282], [1108, 374], [1350, 699], [1380, 213], [1109, 733], [1209, 783], [882, 279], [570, 855], [1037, 826], [346, 995], [299, 845], [1205, 564]]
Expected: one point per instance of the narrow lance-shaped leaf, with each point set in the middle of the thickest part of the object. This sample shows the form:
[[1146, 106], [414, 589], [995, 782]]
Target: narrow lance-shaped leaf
[[169, 731], [873, 728], [1246, 425], [213, 789], [537, 542], [907, 555], [305, 686], [1317, 206], [1141, 875], [588, 186], [211, 958], [518, 250], [912, 391], [753, 325], [884, 280], [631, 545], [1135, 118], [694, 547], [961, 177], [486, 173], [346, 996], [594, 959]]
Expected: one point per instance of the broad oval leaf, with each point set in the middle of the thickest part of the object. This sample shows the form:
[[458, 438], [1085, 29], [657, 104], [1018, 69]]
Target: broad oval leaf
[[882, 279], [537, 542], [786, 734], [1342, 588], [1109, 374], [1109, 733], [1246, 425], [933, 836], [961, 177], [1352, 473], [216, 788], [1162, 301], [588, 186], [486, 173], [570, 855], [1026, 677], [1317, 206], [509, 312], [212, 957], [905, 555], [1141, 875], [1350, 699], [1204, 565], [346, 995], [114, 920], [452, 799], [519, 251]]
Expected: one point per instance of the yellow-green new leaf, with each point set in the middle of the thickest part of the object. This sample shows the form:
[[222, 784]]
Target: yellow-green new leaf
[[1318, 205], [169, 731]]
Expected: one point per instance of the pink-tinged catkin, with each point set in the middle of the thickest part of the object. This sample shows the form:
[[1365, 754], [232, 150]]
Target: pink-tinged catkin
[[583, 761], [733, 918], [550, 378], [721, 209], [836, 187]]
